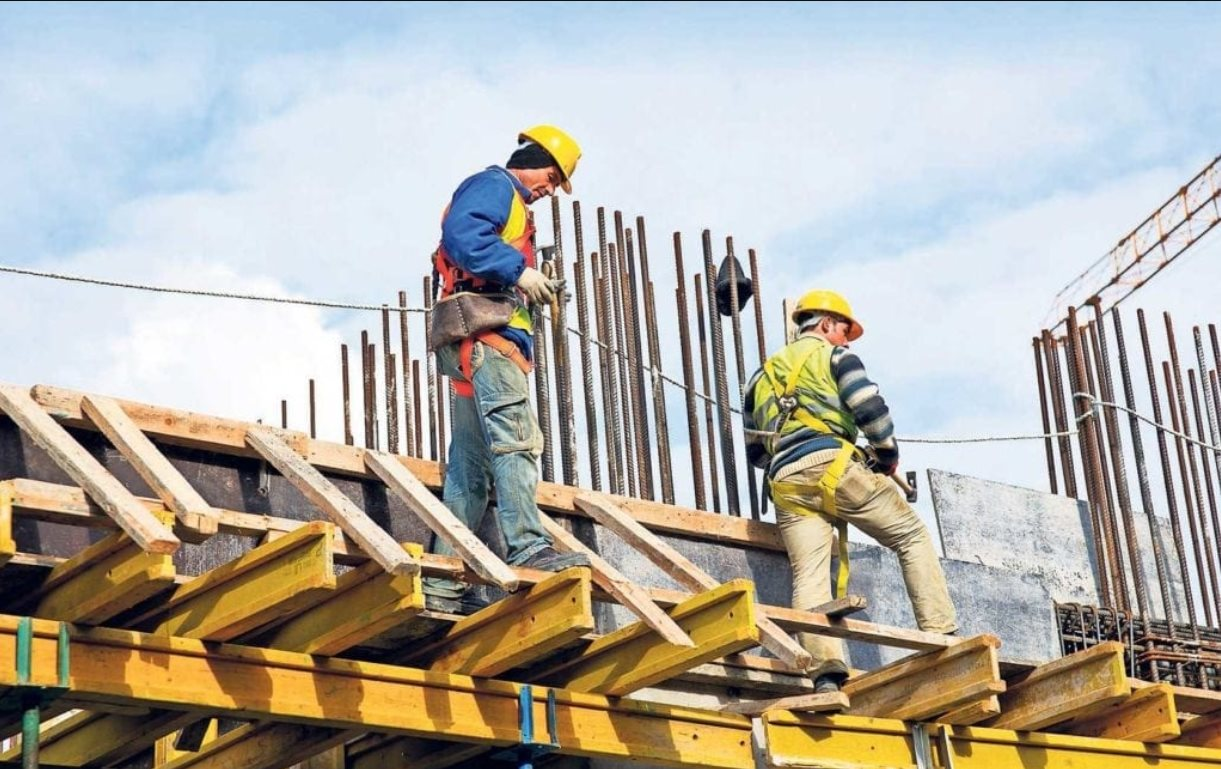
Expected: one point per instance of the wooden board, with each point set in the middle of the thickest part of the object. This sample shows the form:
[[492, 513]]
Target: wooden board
[[830, 702], [1147, 715], [1064, 689]]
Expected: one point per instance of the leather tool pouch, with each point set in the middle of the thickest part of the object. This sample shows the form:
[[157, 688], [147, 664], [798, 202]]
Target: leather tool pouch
[[466, 314]]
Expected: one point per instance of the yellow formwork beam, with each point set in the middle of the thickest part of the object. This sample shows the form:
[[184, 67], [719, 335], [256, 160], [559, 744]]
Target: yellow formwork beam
[[8, 547], [858, 742], [1148, 715], [101, 739], [272, 581], [105, 579], [262, 746], [720, 621], [366, 602], [122, 667], [523, 628], [1065, 688], [400, 752]]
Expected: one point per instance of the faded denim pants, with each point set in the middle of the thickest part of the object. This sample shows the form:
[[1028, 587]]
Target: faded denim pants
[[496, 442], [873, 504]]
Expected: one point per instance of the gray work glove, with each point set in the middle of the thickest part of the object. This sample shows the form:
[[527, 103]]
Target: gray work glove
[[539, 289]]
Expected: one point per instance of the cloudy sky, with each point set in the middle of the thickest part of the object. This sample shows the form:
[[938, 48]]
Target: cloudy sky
[[947, 167]]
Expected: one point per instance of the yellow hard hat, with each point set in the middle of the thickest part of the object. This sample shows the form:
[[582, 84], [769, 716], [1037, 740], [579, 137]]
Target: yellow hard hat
[[562, 148], [823, 301]]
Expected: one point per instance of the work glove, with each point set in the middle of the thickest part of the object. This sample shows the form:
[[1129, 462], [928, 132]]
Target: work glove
[[536, 286]]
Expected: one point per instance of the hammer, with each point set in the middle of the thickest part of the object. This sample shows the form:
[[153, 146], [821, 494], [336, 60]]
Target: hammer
[[906, 485]]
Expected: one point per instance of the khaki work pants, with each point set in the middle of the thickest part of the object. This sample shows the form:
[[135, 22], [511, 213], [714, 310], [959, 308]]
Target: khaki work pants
[[872, 503]]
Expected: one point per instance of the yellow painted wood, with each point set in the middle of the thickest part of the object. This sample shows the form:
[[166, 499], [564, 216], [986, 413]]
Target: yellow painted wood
[[366, 602], [105, 579], [268, 583], [1202, 731], [100, 739], [1065, 688], [807, 703], [398, 753], [165, 749], [356, 523], [62, 448], [975, 713], [1147, 715], [523, 628], [8, 547], [719, 621], [126, 667], [925, 685], [261, 746]]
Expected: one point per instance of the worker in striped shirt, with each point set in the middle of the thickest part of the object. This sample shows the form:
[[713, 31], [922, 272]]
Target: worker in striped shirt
[[802, 413]]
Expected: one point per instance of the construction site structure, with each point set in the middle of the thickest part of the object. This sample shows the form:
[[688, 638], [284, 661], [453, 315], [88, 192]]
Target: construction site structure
[[179, 590]]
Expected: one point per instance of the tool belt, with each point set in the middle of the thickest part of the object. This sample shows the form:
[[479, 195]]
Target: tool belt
[[465, 389], [465, 315]]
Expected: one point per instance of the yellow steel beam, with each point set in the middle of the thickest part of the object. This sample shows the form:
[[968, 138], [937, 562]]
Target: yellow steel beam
[[101, 739], [720, 621], [105, 579], [270, 582], [129, 668], [857, 742], [366, 602], [523, 628], [1065, 688]]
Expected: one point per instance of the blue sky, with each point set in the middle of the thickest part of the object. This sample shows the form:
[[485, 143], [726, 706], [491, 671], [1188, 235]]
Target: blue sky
[[948, 167]]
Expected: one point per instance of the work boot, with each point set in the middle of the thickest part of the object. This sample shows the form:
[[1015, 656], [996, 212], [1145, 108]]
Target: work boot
[[829, 682], [550, 559]]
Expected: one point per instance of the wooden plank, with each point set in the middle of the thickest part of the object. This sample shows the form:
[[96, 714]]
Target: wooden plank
[[441, 521], [100, 739], [604, 510], [926, 685], [399, 753], [755, 681], [103, 580], [620, 587], [719, 621], [373, 539], [197, 520], [8, 546], [62, 448], [262, 746], [269, 583], [1065, 688], [365, 603], [980, 710], [829, 702], [842, 607], [1201, 732], [1147, 715], [525, 627]]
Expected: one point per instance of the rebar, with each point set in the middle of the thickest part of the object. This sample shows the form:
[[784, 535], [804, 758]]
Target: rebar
[[371, 398], [1172, 505], [348, 439], [660, 418], [709, 428], [644, 453], [416, 400], [608, 288], [684, 341], [408, 417], [283, 414], [430, 359], [1037, 345], [1210, 538], [739, 359], [761, 345], [542, 393], [313, 413], [614, 276], [1110, 519], [1060, 412], [390, 383], [366, 387], [1211, 409], [722, 382], [563, 363], [587, 374]]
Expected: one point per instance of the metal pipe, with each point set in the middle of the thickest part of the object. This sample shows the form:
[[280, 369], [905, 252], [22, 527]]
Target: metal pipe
[[1115, 442], [1142, 475], [1172, 505], [313, 411], [722, 382], [1110, 520], [1060, 412], [736, 325], [390, 383], [636, 349], [1037, 345], [430, 365], [347, 396], [684, 341], [661, 418], [709, 428], [587, 373], [563, 363], [408, 426]]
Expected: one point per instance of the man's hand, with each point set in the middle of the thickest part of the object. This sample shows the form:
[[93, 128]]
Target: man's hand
[[539, 289]]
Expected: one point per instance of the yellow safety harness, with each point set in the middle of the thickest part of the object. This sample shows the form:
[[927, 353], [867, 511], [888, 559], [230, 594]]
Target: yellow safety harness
[[797, 494]]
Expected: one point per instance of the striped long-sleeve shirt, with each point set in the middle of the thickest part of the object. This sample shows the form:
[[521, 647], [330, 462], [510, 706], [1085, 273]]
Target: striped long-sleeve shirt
[[858, 395]]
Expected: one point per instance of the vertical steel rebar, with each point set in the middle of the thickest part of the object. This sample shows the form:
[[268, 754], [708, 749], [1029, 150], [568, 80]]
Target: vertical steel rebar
[[684, 341], [709, 427], [761, 344], [1172, 505], [722, 382], [416, 401], [366, 387], [615, 277], [644, 453], [372, 399], [405, 357], [542, 392], [608, 284], [1210, 405], [563, 362], [348, 439], [1037, 344], [1142, 475], [1086, 437], [735, 318], [660, 417], [283, 414], [1115, 442], [1210, 538], [390, 384], [430, 366], [1061, 414], [1110, 520], [587, 373], [313, 411]]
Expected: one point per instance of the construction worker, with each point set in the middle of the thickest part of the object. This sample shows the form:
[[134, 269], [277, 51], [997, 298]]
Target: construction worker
[[487, 249], [802, 413]]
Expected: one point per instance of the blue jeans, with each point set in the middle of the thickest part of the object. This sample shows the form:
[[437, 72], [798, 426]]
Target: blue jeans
[[495, 442]]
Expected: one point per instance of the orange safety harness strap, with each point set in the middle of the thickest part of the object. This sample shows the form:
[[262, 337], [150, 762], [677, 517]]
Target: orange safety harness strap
[[498, 343]]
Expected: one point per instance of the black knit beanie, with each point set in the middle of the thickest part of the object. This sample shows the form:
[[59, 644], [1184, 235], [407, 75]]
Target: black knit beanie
[[531, 155]]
